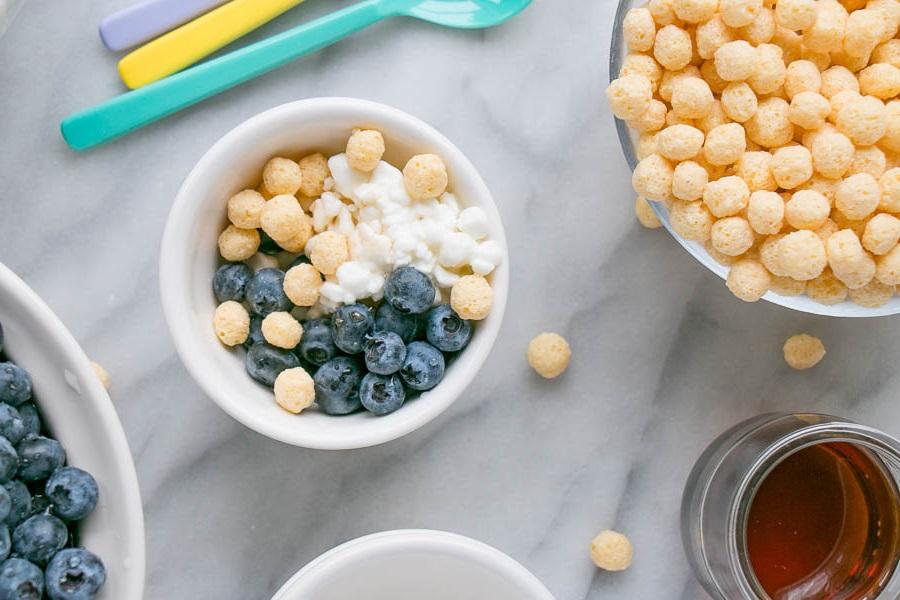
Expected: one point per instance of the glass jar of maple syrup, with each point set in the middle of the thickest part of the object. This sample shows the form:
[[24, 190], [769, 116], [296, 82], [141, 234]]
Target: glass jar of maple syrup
[[795, 507]]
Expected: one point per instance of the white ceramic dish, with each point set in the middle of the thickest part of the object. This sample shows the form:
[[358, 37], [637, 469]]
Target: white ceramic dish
[[628, 141], [190, 257], [413, 565], [81, 415]]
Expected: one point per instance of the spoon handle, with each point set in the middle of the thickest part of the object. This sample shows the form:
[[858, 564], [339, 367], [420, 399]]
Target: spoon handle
[[145, 20], [133, 110]]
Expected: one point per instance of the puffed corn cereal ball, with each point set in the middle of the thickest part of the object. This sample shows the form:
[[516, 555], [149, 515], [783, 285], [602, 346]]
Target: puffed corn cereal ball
[[739, 102], [689, 180], [726, 196], [646, 145], [785, 286], [827, 33], [857, 196], [765, 212], [694, 11], [882, 234], [880, 80], [327, 251], [771, 126], [770, 73], [826, 289], [611, 551], [645, 215], [691, 98], [669, 78], [748, 280], [762, 29], [673, 119], [838, 79], [769, 255], [314, 170], [802, 76], [863, 120], [244, 209], [832, 154], [282, 330], [679, 142], [739, 13], [888, 267], [736, 61], [282, 176], [283, 218], [549, 355], [662, 11], [801, 255], [232, 323], [639, 29], [888, 52], [862, 33], [711, 35], [803, 351], [673, 48], [472, 297], [236, 245], [652, 120], [294, 390], [839, 101], [426, 176], [869, 160], [873, 294], [365, 149], [101, 374], [847, 259], [642, 64], [807, 209], [890, 190], [716, 83], [732, 236], [725, 144], [891, 139], [795, 15], [652, 178], [809, 110], [302, 284], [792, 166], [755, 168]]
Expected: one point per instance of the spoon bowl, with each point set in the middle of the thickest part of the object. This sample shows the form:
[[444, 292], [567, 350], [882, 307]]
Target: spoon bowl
[[466, 14]]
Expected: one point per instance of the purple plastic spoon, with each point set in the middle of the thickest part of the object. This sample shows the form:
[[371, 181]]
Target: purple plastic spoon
[[149, 19]]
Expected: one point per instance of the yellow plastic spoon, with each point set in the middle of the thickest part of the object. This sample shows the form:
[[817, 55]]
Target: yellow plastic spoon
[[190, 43]]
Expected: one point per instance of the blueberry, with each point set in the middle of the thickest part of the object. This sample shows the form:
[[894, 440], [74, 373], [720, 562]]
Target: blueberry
[[230, 281], [387, 318], [265, 292], [20, 503], [409, 290], [39, 537], [381, 394], [424, 366], [21, 580], [267, 245], [40, 505], [256, 335], [73, 493], [39, 456], [15, 384], [12, 427], [300, 260], [317, 346], [446, 330], [31, 417], [5, 504], [75, 574], [9, 460], [384, 352], [5, 542], [349, 326], [337, 386], [264, 362]]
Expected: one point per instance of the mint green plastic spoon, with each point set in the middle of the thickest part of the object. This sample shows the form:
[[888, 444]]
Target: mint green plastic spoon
[[131, 111]]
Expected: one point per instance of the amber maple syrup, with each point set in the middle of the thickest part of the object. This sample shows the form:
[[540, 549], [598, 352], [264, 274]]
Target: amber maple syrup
[[824, 524]]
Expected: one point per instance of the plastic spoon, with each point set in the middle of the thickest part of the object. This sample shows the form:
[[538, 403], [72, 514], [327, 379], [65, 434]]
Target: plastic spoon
[[133, 110], [145, 20], [198, 39]]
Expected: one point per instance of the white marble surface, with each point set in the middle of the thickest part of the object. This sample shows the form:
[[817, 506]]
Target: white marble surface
[[664, 358]]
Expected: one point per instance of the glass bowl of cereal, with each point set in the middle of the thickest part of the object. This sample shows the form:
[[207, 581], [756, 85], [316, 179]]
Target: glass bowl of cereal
[[334, 273], [767, 143]]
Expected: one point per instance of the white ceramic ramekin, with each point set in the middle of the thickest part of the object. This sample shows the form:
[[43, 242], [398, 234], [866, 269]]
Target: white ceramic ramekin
[[81, 416], [413, 565], [190, 257]]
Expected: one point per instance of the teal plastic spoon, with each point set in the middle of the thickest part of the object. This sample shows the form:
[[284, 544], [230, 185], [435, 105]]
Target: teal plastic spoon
[[131, 111]]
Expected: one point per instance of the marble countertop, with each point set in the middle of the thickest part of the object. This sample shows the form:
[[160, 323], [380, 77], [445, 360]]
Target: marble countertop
[[664, 357]]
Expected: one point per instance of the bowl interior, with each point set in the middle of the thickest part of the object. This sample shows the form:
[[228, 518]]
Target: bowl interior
[[410, 565], [80, 414], [190, 257], [628, 140]]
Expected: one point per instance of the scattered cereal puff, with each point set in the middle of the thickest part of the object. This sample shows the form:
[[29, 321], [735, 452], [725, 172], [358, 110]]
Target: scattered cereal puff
[[645, 214], [314, 171], [426, 177], [611, 551], [294, 390], [283, 218], [244, 209], [236, 245], [748, 280], [365, 149], [232, 323], [327, 251], [282, 176], [282, 330], [472, 297], [302, 284], [101, 373], [549, 355], [803, 351]]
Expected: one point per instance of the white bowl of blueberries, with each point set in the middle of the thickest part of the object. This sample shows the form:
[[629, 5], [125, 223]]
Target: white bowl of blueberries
[[71, 526], [380, 363]]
